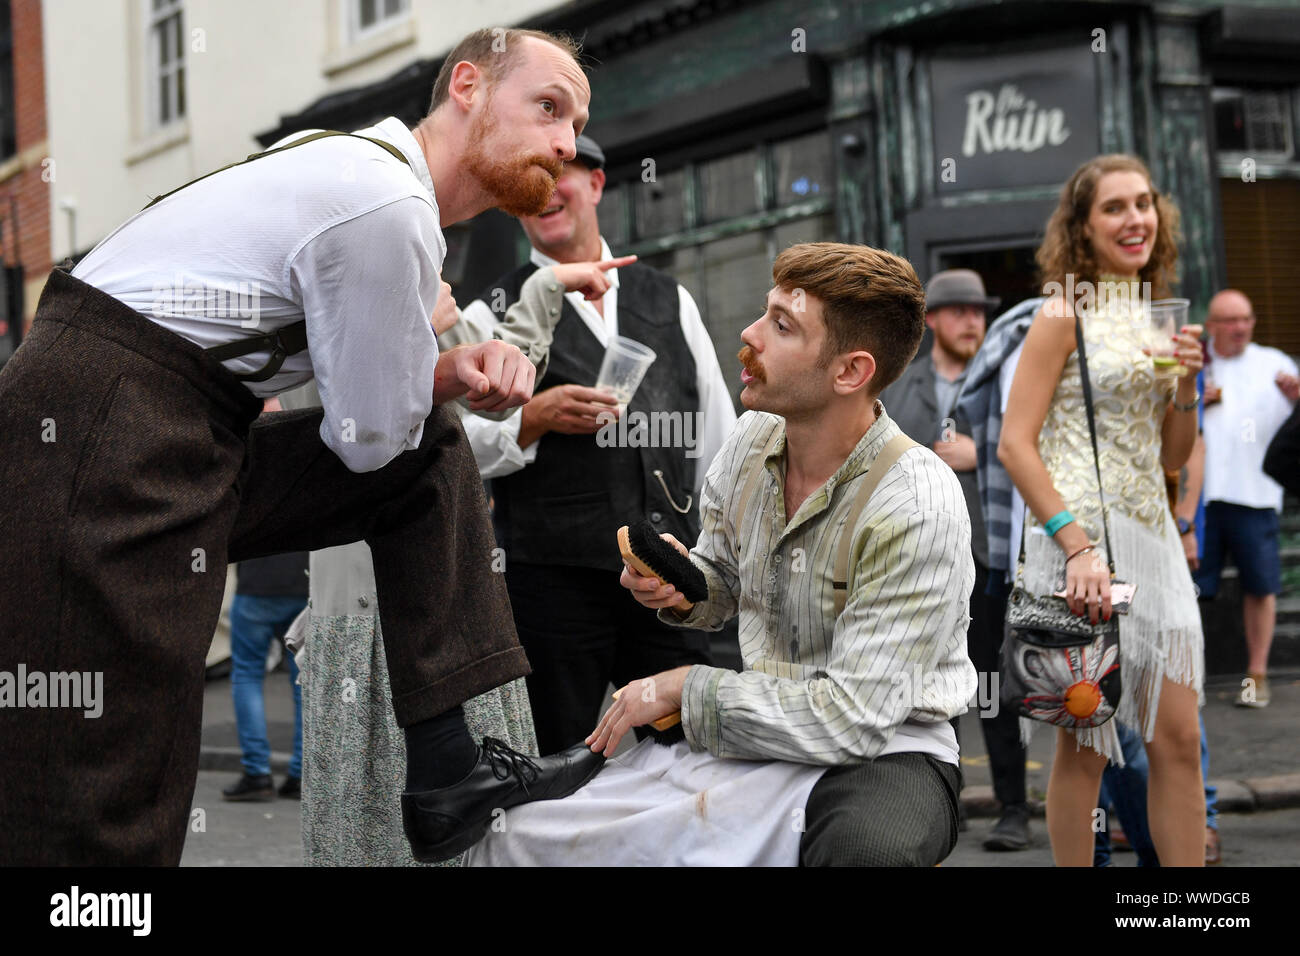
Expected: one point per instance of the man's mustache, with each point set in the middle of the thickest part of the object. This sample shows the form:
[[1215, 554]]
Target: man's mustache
[[749, 359]]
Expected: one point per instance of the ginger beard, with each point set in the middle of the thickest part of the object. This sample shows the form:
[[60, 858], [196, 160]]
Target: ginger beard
[[962, 346], [517, 185]]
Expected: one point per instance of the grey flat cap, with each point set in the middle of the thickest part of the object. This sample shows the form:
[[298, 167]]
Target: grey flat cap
[[957, 287], [590, 154]]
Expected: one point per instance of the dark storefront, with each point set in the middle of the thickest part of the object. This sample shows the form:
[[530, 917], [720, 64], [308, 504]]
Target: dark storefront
[[940, 131]]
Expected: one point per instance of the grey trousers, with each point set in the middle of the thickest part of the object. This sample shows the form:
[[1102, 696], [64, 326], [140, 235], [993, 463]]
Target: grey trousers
[[897, 810], [133, 471]]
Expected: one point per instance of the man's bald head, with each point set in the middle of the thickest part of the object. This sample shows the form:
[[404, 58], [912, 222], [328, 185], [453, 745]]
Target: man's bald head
[[1231, 321]]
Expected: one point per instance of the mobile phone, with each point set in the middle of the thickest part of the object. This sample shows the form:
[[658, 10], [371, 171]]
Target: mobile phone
[[1121, 596]]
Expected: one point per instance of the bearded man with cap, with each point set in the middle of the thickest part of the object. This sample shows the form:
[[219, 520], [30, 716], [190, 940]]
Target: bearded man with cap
[[563, 485], [924, 404]]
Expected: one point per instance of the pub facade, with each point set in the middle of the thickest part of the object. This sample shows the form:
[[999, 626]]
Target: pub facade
[[941, 131]]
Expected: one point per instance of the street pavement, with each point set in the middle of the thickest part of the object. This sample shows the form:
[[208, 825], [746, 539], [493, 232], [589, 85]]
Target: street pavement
[[1254, 759]]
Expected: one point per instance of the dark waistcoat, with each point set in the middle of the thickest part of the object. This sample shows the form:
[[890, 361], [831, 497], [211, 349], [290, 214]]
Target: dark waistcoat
[[567, 506]]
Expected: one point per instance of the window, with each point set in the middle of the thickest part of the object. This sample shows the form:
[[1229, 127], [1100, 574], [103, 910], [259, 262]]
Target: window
[[370, 16], [166, 74], [1254, 122], [716, 225], [661, 204], [729, 186], [803, 168], [612, 219]]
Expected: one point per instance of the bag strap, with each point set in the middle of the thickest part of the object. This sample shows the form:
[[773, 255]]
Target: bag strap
[[1096, 457], [888, 456], [292, 338], [1092, 431]]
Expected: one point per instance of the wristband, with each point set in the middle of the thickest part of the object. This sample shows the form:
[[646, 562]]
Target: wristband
[[1190, 406], [1057, 522]]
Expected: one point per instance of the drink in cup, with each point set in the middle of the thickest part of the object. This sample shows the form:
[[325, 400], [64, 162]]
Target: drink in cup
[[625, 364], [1167, 317]]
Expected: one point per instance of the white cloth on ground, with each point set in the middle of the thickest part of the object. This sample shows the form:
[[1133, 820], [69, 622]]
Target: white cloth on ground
[[662, 806]]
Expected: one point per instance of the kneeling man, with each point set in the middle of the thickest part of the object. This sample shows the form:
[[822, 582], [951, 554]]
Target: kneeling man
[[845, 549]]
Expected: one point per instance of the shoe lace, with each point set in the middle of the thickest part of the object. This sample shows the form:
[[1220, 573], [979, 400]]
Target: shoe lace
[[505, 761]]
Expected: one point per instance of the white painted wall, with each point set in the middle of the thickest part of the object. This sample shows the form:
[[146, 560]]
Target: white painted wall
[[259, 60]]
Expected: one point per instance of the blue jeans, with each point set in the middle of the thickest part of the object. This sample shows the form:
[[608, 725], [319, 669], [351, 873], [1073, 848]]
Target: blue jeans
[[1126, 789], [254, 623]]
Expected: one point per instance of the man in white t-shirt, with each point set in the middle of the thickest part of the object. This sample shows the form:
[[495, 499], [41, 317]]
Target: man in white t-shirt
[[1249, 392]]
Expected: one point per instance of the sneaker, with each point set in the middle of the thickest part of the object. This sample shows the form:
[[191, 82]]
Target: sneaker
[[1254, 691], [1213, 853], [1011, 832], [292, 787], [251, 788]]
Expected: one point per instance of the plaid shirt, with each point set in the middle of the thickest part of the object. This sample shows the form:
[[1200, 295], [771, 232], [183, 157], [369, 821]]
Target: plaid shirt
[[980, 402]]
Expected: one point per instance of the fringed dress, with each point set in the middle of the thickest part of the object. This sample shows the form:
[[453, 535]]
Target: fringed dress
[[1161, 636]]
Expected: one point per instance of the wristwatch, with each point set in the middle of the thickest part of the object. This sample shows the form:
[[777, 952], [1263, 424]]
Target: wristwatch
[[1185, 526]]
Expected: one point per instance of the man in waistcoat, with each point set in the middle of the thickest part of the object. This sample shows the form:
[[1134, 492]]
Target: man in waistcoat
[[566, 473]]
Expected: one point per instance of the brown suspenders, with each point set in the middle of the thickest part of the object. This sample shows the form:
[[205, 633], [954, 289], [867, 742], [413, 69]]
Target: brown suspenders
[[292, 338], [841, 577]]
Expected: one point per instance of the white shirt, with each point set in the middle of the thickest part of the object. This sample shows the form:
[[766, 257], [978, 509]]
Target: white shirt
[[337, 231], [496, 443], [1239, 427]]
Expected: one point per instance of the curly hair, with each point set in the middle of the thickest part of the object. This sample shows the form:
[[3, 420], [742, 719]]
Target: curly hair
[[1065, 248]]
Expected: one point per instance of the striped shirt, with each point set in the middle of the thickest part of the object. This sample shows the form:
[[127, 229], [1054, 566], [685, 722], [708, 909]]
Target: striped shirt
[[887, 673]]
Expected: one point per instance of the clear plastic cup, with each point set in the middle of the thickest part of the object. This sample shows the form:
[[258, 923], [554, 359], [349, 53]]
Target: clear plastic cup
[[625, 364], [1167, 317]]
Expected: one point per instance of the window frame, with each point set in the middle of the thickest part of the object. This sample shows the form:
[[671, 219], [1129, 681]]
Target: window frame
[[1233, 157], [157, 72], [356, 33], [697, 230]]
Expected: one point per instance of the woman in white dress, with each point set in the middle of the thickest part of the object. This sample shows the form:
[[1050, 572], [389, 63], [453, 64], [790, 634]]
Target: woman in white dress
[[1111, 234]]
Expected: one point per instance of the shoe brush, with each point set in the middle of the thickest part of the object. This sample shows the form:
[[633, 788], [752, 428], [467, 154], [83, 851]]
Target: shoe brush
[[653, 557]]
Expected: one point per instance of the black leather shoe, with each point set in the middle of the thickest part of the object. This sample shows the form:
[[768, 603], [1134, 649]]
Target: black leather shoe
[[1012, 831], [248, 787], [292, 787], [441, 823]]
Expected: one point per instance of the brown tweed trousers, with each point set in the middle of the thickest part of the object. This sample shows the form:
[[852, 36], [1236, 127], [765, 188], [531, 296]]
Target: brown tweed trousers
[[133, 471]]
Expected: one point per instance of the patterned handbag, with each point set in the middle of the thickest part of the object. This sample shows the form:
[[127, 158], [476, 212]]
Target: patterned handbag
[[1057, 667]]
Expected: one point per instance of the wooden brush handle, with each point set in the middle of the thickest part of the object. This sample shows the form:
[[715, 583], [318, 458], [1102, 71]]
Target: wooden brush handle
[[663, 723], [643, 569]]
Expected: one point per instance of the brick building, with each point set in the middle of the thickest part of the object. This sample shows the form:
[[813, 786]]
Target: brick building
[[25, 170]]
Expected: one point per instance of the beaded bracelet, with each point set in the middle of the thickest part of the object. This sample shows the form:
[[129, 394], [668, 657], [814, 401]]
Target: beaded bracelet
[[1057, 522]]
